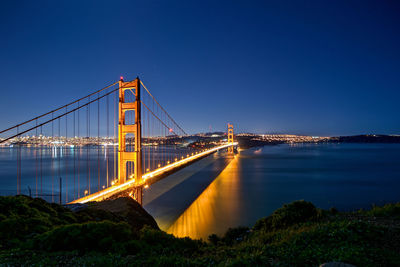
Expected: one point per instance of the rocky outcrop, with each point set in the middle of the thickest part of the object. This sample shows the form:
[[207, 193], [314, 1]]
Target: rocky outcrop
[[117, 210]]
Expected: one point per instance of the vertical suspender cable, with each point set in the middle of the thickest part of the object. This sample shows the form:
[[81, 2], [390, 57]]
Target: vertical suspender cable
[[108, 136], [148, 138], [79, 155], [115, 138], [59, 155], [18, 165], [87, 147], [36, 158], [66, 156], [154, 148], [52, 157], [143, 138], [73, 151], [41, 165], [98, 143]]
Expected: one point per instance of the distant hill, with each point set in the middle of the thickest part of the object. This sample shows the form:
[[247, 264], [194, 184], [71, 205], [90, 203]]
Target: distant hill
[[368, 139]]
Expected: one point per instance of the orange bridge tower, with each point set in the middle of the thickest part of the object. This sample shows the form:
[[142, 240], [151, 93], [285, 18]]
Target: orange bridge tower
[[230, 137], [126, 156]]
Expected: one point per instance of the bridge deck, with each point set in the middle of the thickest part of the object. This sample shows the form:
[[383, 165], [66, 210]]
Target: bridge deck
[[148, 177]]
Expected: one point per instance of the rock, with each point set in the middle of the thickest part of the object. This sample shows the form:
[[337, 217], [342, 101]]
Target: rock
[[336, 264], [117, 210], [75, 207]]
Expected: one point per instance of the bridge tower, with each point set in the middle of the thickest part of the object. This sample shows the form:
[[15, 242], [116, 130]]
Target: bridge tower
[[125, 156], [230, 137]]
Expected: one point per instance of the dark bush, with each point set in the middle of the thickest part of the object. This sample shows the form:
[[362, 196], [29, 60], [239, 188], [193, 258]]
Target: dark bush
[[333, 211], [92, 236], [290, 214], [24, 217], [37, 233], [235, 235], [386, 210], [159, 240], [214, 239], [357, 243]]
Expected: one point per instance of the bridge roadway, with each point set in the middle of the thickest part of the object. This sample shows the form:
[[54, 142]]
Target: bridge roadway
[[148, 178]]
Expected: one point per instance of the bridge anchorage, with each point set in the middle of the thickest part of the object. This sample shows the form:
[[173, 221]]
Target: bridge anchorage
[[76, 160]]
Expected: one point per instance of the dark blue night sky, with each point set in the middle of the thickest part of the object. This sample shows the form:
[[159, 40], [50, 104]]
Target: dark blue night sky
[[302, 67]]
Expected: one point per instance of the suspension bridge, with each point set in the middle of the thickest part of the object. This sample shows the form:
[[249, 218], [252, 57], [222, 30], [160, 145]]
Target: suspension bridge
[[113, 142]]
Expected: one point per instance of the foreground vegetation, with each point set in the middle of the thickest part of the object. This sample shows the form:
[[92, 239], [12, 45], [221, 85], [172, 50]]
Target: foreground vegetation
[[33, 232]]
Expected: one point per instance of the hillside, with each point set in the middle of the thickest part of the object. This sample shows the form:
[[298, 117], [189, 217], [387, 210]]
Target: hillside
[[121, 233]]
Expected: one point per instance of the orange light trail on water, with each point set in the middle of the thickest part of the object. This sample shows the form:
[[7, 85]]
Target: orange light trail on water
[[214, 208]]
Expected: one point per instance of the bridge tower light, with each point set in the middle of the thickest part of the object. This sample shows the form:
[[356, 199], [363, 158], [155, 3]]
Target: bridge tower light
[[125, 156]]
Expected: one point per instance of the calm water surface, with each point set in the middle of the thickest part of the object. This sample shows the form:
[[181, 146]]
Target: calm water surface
[[76, 169], [220, 192]]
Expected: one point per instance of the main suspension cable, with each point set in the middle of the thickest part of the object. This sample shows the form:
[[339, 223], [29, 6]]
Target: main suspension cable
[[163, 108], [57, 109], [60, 116]]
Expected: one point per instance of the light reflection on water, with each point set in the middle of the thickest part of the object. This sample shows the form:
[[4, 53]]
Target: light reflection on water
[[258, 181], [76, 169], [219, 202], [216, 193]]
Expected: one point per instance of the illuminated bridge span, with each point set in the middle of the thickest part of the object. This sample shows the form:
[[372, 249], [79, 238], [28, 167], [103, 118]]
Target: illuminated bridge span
[[113, 142]]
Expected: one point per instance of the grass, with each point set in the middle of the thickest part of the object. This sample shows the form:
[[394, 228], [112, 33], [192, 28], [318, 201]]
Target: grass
[[34, 232], [388, 210]]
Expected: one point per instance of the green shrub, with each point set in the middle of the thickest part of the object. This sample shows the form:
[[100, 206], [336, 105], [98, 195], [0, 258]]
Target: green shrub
[[352, 242], [43, 234], [159, 240], [214, 239], [91, 236], [333, 211], [386, 210], [235, 235], [24, 217], [290, 214]]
